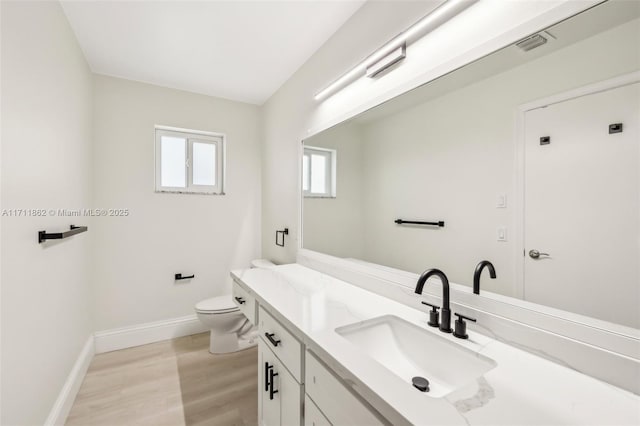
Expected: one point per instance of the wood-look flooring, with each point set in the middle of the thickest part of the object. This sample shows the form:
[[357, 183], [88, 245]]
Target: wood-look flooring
[[171, 383]]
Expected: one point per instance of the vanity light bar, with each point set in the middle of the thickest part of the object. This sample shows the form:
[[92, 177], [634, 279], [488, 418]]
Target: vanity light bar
[[428, 23]]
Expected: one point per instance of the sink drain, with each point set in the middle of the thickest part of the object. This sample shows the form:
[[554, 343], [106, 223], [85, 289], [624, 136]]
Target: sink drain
[[420, 383]]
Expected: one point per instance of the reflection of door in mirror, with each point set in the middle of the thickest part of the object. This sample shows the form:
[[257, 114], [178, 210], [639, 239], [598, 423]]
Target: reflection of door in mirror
[[582, 193]]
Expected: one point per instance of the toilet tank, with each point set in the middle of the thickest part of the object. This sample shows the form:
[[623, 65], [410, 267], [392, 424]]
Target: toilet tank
[[262, 263]]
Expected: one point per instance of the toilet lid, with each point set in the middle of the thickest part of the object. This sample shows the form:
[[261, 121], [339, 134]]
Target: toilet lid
[[217, 304]]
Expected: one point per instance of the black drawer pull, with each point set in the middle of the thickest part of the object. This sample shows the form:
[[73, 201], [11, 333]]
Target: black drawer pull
[[272, 391], [240, 300], [267, 368], [273, 341]]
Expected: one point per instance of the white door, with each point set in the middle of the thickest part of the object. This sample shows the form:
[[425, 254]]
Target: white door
[[581, 207]]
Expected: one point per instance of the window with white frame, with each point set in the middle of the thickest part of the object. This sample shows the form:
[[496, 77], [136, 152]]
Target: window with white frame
[[319, 172], [189, 161]]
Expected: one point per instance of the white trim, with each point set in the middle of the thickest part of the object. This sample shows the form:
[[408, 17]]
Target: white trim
[[142, 334], [300, 196], [589, 89], [519, 160], [64, 402], [195, 132]]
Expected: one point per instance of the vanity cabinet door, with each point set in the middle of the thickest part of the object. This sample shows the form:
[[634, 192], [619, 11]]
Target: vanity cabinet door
[[279, 400], [337, 404], [312, 414], [268, 409]]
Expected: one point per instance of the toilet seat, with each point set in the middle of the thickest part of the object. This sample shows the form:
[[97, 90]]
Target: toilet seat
[[217, 305]]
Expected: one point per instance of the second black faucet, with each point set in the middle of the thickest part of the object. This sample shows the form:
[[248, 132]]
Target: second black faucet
[[476, 275]]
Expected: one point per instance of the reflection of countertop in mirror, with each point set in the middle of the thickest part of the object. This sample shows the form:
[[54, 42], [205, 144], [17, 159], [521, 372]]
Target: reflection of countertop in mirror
[[521, 389]]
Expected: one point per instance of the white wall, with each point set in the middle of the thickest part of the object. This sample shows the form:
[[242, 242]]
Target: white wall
[[292, 114], [136, 257], [335, 225], [46, 148]]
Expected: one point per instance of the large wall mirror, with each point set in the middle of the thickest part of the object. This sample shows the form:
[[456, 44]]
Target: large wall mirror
[[530, 158]]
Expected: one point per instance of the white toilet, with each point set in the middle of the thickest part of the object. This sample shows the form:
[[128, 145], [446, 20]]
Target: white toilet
[[231, 331]]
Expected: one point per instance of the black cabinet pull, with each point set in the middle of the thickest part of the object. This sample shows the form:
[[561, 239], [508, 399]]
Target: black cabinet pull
[[273, 341], [272, 391], [267, 368], [240, 300]]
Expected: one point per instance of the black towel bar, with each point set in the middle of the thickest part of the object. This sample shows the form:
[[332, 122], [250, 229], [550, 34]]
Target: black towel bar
[[73, 230], [179, 277], [439, 223]]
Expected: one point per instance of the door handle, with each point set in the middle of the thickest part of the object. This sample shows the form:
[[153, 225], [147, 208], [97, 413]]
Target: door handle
[[535, 254], [240, 300]]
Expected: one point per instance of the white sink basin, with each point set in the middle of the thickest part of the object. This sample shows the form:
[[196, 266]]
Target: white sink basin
[[409, 351]]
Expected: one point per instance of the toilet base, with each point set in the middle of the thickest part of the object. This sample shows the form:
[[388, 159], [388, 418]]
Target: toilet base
[[228, 343]]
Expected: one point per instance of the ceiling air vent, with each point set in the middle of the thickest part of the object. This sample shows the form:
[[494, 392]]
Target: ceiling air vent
[[532, 42]]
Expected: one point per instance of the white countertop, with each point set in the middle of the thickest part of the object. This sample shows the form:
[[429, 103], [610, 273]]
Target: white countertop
[[522, 389]]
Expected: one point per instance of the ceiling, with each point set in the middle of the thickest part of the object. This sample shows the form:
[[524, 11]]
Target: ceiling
[[238, 50]]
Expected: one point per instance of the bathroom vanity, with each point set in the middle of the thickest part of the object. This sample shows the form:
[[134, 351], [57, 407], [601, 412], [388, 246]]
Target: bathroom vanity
[[333, 353]]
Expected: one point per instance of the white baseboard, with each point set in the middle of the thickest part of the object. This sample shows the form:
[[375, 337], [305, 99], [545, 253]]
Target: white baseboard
[[67, 396], [127, 337]]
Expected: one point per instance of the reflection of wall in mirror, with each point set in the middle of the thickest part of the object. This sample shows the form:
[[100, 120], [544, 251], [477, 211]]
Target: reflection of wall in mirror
[[335, 225], [449, 159]]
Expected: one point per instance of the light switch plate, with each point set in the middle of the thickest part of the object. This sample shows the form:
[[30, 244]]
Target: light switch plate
[[502, 233], [501, 201]]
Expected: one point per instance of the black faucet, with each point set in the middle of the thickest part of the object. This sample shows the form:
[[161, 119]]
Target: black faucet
[[476, 275], [445, 313]]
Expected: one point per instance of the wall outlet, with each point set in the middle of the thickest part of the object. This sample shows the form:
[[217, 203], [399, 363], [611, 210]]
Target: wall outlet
[[502, 233], [501, 201]]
